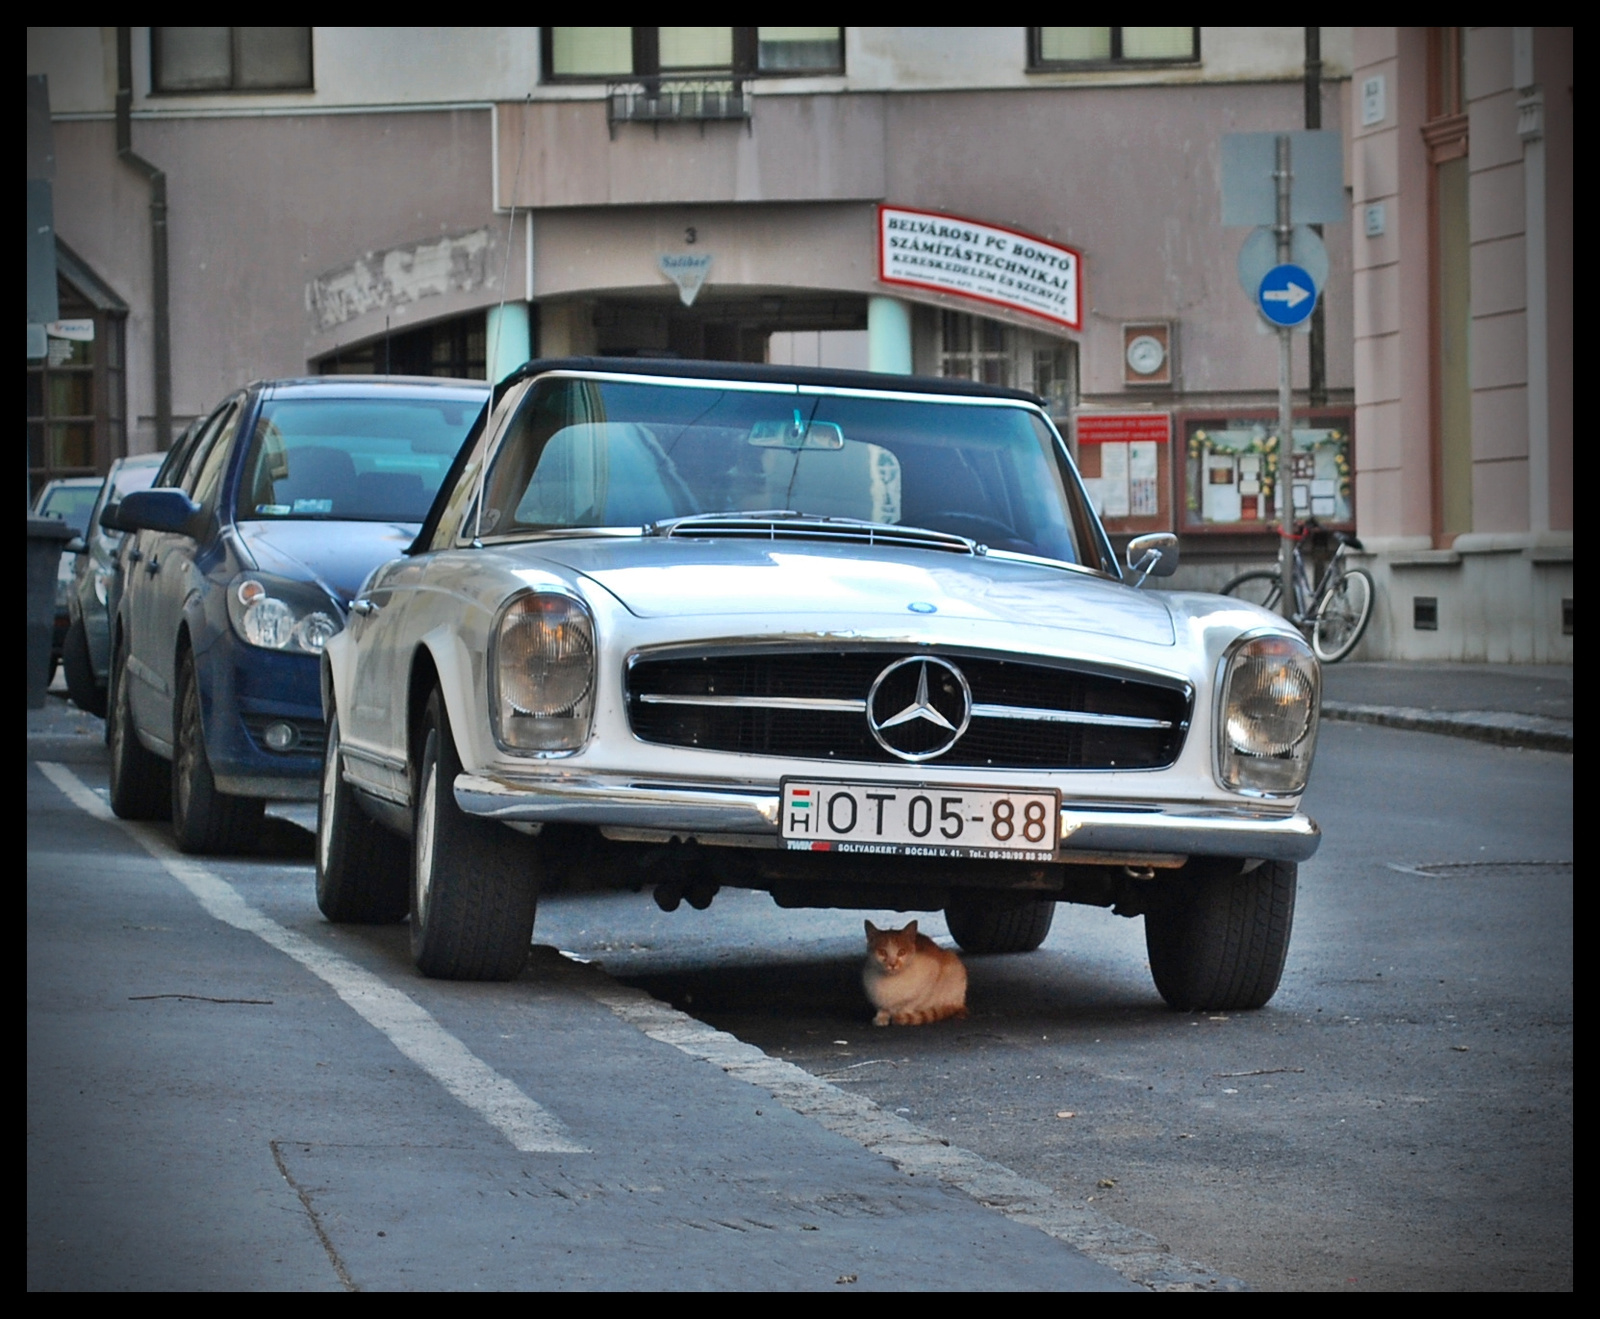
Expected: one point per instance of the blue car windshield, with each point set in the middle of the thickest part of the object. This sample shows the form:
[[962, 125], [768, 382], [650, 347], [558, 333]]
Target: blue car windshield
[[590, 453], [372, 460]]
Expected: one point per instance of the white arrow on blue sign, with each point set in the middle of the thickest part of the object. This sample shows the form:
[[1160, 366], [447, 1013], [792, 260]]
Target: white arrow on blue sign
[[1287, 295]]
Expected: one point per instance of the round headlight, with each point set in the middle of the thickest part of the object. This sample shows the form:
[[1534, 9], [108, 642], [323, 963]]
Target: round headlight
[[268, 622], [546, 656], [1268, 716]]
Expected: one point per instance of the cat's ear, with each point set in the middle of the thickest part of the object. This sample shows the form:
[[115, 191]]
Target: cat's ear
[[872, 929], [912, 929]]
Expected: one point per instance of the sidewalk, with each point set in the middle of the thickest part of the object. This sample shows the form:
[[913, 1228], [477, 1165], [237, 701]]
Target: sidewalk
[[1526, 705]]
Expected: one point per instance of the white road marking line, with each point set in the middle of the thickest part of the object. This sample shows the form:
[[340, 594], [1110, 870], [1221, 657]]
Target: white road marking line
[[1136, 1255], [410, 1027]]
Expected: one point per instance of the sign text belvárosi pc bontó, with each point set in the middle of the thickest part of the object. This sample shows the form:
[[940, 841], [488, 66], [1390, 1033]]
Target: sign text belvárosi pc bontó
[[971, 259]]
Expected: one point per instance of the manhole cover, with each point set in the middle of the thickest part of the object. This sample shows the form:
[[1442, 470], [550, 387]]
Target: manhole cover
[[1486, 869]]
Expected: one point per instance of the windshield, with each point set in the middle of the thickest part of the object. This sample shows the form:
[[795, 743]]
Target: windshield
[[71, 503], [375, 460], [586, 453]]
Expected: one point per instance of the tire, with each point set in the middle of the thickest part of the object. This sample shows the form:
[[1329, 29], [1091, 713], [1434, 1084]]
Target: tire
[[204, 820], [1219, 941], [1260, 587], [474, 885], [85, 692], [1342, 617], [140, 779], [363, 870], [986, 926]]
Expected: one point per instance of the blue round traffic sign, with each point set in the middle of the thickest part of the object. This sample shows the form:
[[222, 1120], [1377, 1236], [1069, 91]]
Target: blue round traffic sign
[[1287, 295]]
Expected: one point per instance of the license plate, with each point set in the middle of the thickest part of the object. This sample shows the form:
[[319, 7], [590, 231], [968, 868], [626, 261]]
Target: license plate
[[944, 821]]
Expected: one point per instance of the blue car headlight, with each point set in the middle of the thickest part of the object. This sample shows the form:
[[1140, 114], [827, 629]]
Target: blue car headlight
[[277, 613]]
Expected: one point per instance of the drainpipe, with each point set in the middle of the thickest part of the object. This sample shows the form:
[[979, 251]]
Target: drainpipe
[[1318, 393], [158, 235]]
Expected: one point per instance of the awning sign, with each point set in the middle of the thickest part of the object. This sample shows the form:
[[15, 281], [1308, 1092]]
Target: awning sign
[[80, 330], [971, 259]]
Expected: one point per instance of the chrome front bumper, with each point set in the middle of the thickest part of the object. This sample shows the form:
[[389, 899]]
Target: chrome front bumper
[[1089, 830]]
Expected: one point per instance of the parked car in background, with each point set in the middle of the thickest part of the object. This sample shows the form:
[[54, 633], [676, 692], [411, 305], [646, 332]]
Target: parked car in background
[[855, 640], [240, 565], [97, 585], [70, 499]]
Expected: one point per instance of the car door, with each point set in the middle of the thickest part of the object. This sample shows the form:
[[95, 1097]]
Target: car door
[[160, 568]]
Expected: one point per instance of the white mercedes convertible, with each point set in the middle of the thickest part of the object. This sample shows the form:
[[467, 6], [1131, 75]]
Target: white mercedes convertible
[[854, 640]]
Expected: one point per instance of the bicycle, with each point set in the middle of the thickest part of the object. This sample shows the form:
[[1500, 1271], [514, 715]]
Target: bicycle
[[1335, 614]]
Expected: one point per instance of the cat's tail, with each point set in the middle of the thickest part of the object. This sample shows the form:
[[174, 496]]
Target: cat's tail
[[924, 1016]]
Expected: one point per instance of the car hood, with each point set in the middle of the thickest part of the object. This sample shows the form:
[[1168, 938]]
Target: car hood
[[660, 578], [339, 555]]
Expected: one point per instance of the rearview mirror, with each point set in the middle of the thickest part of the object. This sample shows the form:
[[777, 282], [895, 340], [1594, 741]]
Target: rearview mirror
[[796, 434], [166, 509], [1155, 555]]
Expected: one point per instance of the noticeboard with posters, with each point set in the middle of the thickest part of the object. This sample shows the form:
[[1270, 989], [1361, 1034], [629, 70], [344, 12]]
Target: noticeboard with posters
[[1125, 459], [1233, 465]]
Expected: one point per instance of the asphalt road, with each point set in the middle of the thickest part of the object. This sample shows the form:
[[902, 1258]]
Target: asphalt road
[[1399, 1117]]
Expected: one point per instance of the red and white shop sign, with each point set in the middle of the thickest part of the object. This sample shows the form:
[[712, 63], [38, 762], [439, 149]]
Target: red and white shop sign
[[1123, 427], [971, 259]]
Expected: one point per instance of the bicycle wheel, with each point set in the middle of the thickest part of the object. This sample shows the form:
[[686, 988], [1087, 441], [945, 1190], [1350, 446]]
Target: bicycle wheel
[[1342, 616], [1261, 587]]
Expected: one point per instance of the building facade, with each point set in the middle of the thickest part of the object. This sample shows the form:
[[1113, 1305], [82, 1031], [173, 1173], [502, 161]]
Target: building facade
[[1462, 191], [454, 200]]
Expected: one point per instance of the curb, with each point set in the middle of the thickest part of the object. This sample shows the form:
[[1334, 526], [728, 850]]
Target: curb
[[1517, 730]]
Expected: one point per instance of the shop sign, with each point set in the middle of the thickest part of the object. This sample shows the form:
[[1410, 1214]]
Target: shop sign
[[971, 259], [80, 330], [688, 270]]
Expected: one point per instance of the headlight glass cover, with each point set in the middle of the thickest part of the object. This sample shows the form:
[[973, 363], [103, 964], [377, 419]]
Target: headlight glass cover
[[542, 667], [1267, 716], [277, 613]]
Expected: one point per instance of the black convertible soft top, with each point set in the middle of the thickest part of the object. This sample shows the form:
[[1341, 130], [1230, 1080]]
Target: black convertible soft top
[[764, 373]]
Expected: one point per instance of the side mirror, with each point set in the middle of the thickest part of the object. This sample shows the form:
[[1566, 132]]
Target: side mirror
[[109, 516], [167, 509], [1155, 555]]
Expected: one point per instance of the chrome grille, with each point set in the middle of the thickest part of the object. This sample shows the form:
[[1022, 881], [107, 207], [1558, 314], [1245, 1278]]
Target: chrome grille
[[812, 705]]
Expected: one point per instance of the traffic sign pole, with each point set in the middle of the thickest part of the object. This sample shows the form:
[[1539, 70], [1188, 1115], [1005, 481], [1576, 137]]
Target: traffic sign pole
[[1283, 176]]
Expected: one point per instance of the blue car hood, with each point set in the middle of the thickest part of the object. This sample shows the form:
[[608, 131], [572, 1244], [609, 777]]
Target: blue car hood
[[339, 555]]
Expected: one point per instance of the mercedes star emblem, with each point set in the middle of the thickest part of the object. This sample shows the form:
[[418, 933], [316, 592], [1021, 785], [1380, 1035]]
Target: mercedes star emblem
[[919, 707]]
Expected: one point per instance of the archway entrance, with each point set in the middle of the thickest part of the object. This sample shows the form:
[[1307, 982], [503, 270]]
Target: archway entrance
[[719, 327]]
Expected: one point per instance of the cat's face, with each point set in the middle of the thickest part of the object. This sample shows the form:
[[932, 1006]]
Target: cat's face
[[891, 947]]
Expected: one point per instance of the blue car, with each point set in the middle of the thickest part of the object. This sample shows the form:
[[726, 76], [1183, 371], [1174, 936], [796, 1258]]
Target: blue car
[[241, 564]]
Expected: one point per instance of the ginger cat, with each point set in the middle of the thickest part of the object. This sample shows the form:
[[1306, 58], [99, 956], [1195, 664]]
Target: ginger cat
[[910, 979]]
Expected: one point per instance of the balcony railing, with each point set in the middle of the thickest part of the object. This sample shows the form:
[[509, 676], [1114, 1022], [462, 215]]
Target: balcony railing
[[676, 100]]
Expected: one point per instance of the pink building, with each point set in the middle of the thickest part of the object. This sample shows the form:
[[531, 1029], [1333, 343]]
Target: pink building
[[1461, 168]]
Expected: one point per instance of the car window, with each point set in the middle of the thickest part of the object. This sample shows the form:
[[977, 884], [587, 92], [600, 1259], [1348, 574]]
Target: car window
[[587, 453], [205, 469], [360, 459]]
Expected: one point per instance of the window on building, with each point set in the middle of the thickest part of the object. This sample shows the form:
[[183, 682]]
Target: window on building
[[1079, 47], [457, 348], [77, 395], [230, 59], [586, 53], [993, 353]]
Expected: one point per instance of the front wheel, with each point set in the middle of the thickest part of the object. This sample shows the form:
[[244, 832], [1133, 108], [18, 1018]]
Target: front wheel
[[1219, 941], [1342, 616], [474, 883], [986, 926], [362, 868], [204, 819], [1259, 587]]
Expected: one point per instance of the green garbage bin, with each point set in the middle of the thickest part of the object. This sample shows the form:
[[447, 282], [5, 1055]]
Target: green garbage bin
[[47, 537]]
